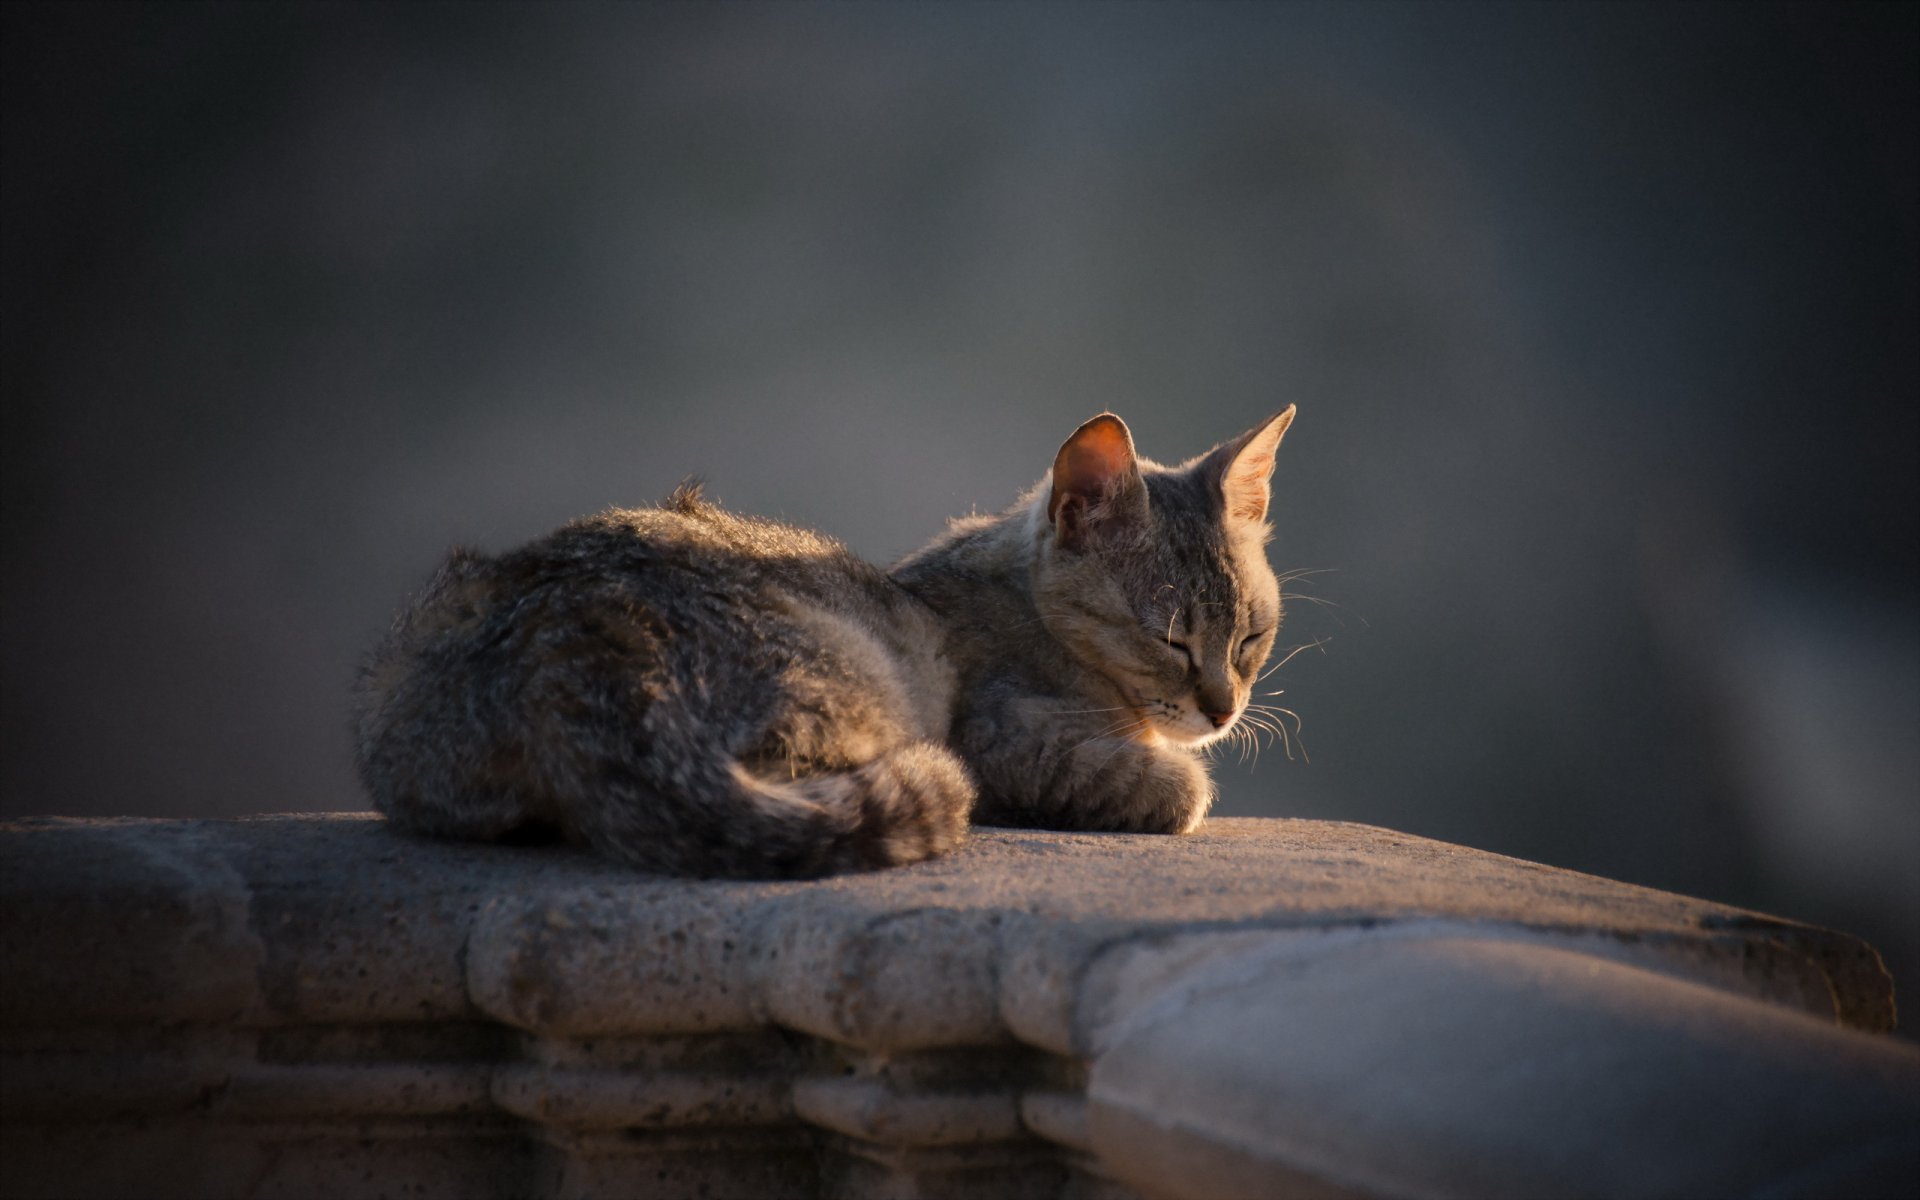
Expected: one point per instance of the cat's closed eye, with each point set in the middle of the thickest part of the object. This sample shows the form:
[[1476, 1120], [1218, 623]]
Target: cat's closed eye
[[1183, 651]]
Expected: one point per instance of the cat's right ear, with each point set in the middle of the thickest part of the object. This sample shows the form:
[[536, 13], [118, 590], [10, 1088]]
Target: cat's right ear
[[1096, 482]]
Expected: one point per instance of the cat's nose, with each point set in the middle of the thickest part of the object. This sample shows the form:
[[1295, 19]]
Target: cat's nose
[[1220, 719]]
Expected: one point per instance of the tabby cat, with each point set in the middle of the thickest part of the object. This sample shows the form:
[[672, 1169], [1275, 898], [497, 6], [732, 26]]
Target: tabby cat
[[1106, 628], [697, 692]]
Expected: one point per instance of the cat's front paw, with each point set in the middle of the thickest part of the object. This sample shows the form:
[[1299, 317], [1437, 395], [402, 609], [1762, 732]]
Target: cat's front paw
[[1138, 788], [1174, 794]]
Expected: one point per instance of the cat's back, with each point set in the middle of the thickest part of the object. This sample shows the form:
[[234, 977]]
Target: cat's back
[[690, 548], [740, 616], [686, 555], [682, 687]]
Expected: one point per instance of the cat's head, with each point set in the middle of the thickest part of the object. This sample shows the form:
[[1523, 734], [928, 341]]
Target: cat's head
[[1156, 578]]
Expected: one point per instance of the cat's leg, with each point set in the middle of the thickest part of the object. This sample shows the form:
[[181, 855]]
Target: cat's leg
[[1041, 766]]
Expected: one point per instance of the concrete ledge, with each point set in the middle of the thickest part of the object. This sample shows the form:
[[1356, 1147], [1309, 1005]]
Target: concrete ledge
[[274, 1005]]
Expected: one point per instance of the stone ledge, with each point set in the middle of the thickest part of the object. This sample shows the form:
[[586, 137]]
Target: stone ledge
[[1462, 1066], [337, 920], [267, 1006]]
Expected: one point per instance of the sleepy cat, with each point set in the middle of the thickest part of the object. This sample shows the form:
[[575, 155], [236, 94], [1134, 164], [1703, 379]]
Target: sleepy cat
[[696, 692], [1106, 628]]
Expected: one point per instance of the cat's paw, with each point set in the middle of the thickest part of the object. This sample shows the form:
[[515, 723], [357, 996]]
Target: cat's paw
[[1138, 788], [1174, 794]]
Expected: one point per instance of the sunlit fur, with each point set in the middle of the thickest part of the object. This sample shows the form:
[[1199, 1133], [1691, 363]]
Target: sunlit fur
[[680, 688], [1095, 631]]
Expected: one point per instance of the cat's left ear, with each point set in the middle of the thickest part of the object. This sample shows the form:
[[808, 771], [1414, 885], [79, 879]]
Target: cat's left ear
[[1244, 467]]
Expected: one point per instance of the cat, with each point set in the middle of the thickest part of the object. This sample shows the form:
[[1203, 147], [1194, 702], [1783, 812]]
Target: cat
[[683, 689], [696, 692], [1107, 628]]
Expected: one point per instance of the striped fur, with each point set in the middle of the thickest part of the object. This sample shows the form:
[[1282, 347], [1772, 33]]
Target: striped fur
[[1098, 622], [682, 689]]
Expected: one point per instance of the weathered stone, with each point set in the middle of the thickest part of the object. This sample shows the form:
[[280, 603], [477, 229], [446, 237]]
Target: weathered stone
[[359, 925], [392, 1159], [671, 1165], [653, 1082], [919, 976], [1059, 1117], [653, 957], [583, 1099], [153, 1160], [339, 919], [309, 1006], [994, 1171], [261, 1091], [1369, 1065], [104, 1074], [871, 1110], [124, 922]]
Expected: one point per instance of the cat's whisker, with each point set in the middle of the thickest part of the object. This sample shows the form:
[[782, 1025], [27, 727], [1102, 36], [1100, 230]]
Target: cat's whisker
[[1101, 765], [1286, 577], [1290, 713], [1272, 717], [1316, 644], [1109, 731], [1274, 712], [1121, 728], [1053, 613], [1273, 735], [1254, 745], [1235, 739], [1262, 723], [1215, 748], [1275, 728]]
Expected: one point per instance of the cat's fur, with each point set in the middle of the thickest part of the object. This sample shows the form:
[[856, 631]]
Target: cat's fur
[[681, 688], [1106, 628], [702, 693]]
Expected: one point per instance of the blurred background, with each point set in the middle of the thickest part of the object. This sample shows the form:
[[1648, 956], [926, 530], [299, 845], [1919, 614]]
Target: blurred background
[[1601, 320]]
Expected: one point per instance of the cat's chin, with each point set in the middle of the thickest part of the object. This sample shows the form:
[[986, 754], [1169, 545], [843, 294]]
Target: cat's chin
[[1195, 739]]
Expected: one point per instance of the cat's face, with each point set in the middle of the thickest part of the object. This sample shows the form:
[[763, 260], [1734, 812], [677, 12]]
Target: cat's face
[[1156, 578]]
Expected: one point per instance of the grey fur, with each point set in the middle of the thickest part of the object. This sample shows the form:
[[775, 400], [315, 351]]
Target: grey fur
[[1075, 709], [681, 688]]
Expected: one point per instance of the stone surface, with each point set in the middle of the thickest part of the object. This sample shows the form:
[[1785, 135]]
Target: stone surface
[[124, 922], [1431, 1066], [295, 1006], [314, 919]]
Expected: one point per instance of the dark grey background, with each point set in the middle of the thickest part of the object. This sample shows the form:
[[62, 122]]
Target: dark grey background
[[1601, 321]]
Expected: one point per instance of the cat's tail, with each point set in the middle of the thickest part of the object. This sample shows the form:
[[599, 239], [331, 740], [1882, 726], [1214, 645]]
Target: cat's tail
[[909, 803]]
